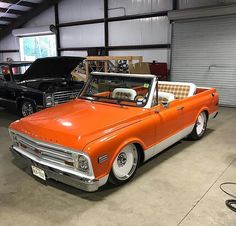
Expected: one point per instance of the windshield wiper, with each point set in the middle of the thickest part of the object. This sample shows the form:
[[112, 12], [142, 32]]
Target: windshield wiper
[[86, 98], [105, 100]]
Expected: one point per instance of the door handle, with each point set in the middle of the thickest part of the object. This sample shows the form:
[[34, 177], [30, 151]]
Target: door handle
[[180, 108]]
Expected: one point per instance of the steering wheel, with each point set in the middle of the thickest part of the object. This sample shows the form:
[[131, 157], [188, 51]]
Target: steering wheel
[[137, 97]]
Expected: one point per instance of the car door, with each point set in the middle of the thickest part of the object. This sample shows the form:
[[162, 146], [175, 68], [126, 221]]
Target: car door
[[168, 124]]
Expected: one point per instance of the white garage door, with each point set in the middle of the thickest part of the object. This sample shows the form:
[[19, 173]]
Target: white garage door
[[204, 52]]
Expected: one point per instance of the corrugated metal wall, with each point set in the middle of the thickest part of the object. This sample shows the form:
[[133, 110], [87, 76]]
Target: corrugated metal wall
[[130, 7], [141, 31], [204, 52], [155, 30], [11, 42]]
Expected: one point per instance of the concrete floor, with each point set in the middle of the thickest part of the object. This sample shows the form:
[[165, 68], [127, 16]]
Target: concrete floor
[[178, 187]]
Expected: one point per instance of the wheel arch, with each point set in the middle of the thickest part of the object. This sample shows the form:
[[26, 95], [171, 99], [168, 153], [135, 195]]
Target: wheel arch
[[113, 178], [140, 151], [207, 114], [136, 142], [204, 109]]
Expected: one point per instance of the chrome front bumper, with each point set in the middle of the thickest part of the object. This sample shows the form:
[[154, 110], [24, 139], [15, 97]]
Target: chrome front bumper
[[82, 183]]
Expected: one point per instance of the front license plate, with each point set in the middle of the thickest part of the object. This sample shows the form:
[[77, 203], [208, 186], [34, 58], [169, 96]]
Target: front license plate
[[38, 172]]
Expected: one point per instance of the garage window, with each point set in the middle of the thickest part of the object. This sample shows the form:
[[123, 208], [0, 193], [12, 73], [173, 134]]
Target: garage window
[[34, 47]]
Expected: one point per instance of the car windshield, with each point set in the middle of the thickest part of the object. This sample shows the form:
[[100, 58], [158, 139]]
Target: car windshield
[[115, 89]]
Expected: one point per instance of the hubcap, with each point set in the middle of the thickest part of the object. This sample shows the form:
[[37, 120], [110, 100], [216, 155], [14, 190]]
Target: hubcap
[[125, 163], [27, 109], [201, 124], [122, 159]]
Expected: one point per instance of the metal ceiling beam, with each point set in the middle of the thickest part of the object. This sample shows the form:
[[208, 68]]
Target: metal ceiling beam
[[28, 15], [106, 27], [8, 19], [175, 4], [58, 36], [10, 1], [113, 19], [9, 51], [11, 11], [28, 4], [22, 3], [113, 48], [83, 22]]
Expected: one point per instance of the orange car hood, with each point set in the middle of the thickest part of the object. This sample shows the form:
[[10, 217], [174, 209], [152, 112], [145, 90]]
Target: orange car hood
[[77, 123]]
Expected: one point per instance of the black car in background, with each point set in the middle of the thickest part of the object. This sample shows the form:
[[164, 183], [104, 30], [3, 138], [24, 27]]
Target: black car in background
[[29, 87]]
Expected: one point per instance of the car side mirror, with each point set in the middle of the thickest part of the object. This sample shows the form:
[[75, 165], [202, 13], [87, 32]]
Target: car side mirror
[[165, 104]]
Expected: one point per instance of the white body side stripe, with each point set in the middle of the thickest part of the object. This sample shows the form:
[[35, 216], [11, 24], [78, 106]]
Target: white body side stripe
[[167, 143]]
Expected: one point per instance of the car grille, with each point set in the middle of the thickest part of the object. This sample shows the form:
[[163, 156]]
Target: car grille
[[65, 96], [45, 152]]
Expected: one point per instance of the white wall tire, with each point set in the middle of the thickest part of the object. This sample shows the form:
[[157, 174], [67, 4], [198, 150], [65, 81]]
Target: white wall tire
[[200, 127], [124, 165]]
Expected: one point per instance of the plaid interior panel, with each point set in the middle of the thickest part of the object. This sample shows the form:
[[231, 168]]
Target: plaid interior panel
[[179, 91]]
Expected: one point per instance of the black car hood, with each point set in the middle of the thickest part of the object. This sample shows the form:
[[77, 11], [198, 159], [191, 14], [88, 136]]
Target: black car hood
[[52, 67]]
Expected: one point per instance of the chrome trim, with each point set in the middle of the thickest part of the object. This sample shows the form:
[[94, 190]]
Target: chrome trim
[[42, 145], [151, 94], [103, 180], [102, 158], [65, 96], [53, 165], [8, 100], [49, 100], [89, 185]]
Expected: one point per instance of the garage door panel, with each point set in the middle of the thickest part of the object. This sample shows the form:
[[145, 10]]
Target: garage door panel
[[204, 52]]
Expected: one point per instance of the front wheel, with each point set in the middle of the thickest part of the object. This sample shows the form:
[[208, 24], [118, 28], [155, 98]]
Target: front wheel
[[200, 127], [26, 108], [124, 165]]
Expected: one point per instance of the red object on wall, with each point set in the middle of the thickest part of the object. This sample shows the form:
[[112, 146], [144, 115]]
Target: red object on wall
[[160, 70], [5, 70]]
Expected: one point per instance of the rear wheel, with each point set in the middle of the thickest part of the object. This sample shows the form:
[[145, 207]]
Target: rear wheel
[[200, 127], [26, 108], [124, 165]]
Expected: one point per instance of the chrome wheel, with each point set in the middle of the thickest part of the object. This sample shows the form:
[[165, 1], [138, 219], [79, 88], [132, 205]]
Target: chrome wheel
[[201, 124], [125, 163], [27, 109]]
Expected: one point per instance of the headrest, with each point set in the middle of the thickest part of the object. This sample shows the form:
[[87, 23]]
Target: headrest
[[124, 93]]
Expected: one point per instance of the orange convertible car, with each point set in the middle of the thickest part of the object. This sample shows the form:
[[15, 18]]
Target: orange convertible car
[[118, 122]]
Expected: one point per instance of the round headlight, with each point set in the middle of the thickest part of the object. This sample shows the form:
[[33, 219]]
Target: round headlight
[[83, 163], [49, 100], [49, 103]]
